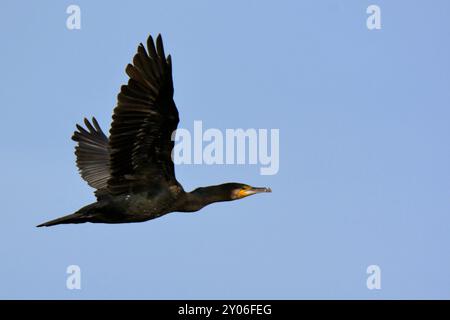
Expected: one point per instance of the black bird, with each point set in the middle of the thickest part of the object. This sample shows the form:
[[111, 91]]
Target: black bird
[[132, 171]]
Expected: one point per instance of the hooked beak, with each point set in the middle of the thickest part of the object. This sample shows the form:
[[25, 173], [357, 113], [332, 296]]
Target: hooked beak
[[254, 190]]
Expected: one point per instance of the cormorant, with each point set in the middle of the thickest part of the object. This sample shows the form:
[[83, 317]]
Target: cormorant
[[132, 171]]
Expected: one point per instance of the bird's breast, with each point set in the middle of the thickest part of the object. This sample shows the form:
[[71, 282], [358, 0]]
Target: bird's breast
[[146, 206]]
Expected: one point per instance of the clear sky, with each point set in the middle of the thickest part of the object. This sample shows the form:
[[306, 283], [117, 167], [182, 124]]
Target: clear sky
[[364, 174]]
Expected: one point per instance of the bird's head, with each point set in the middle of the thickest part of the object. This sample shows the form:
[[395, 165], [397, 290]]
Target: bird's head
[[240, 190], [204, 196]]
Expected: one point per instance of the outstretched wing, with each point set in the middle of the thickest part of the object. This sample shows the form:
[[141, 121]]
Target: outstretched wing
[[92, 152], [143, 122]]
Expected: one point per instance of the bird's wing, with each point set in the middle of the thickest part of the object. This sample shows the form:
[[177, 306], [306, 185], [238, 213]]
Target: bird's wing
[[143, 122], [92, 152]]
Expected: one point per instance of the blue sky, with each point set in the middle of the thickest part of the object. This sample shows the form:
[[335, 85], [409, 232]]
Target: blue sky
[[364, 149]]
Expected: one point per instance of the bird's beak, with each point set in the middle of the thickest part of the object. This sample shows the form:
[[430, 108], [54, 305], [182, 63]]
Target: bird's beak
[[254, 190]]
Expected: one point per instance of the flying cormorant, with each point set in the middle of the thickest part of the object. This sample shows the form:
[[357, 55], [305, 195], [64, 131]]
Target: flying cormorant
[[132, 171]]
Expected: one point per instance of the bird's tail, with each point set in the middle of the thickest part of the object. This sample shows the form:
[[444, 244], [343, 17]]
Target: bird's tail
[[76, 217]]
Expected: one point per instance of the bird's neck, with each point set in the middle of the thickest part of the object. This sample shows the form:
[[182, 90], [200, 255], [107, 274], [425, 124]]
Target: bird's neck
[[201, 197]]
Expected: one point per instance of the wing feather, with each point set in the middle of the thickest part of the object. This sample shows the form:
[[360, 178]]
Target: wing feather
[[92, 153], [143, 122]]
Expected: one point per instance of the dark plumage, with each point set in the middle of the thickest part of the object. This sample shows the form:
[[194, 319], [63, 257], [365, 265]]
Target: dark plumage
[[132, 171]]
